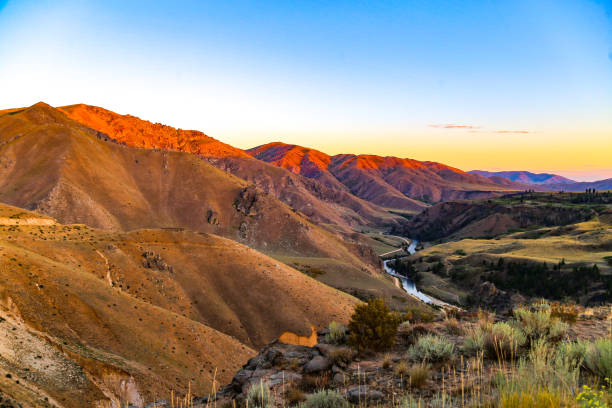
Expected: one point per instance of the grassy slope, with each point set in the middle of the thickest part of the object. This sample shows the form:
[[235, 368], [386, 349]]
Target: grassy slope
[[586, 243]]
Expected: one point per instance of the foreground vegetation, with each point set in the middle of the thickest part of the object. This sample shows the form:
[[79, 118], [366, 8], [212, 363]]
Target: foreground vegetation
[[542, 356]]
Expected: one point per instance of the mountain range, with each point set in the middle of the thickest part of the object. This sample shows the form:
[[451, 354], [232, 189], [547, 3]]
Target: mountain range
[[525, 177]]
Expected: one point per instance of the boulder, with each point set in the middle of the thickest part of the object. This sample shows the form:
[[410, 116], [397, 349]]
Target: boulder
[[362, 393], [318, 363], [284, 377], [340, 378]]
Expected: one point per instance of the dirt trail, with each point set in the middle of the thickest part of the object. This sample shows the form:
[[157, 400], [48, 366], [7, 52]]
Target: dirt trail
[[109, 278]]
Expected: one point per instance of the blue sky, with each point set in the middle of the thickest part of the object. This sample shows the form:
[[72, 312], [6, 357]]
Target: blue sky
[[481, 84]]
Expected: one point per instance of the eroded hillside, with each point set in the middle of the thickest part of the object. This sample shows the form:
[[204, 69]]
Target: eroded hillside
[[110, 315]]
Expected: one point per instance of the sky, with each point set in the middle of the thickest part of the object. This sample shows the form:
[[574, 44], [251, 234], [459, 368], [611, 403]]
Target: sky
[[491, 85]]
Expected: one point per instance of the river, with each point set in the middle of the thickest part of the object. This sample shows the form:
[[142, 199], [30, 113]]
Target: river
[[409, 285]]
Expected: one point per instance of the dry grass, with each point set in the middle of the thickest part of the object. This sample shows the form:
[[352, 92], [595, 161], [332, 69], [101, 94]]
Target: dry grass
[[294, 395], [418, 375], [453, 327]]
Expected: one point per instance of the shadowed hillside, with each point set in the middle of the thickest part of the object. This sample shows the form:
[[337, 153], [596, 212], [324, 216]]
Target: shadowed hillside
[[151, 309]]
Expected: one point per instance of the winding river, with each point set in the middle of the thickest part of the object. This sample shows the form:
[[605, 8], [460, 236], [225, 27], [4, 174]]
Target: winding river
[[409, 285]]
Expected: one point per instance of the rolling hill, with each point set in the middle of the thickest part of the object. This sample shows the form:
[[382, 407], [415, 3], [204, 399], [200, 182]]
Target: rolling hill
[[601, 185], [570, 262], [497, 216], [389, 182], [130, 316], [324, 204]]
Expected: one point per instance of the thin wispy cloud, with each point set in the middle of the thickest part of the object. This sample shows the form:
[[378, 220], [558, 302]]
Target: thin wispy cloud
[[453, 126], [476, 129], [514, 131]]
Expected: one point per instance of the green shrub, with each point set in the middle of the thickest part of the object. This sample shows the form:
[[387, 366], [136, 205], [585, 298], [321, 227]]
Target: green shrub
[[502, 341], [540, 325], [598, 358], [474, 341], [326, 399], [337, 333], [432, 349], [259, 396], [551, 369], [573, 352], [408, 401], [373, 326]]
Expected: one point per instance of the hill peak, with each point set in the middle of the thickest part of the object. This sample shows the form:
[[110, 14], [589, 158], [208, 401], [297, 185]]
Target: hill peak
[[137, 132]]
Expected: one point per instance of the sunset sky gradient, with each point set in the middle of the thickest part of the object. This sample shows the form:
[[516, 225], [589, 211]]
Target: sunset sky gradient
[[491, 85]]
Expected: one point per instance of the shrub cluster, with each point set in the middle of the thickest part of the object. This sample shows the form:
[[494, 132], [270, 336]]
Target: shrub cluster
[[373, 326], [337, 333], [539, 324], [500, 340], [259, 396], [326, 399], [432, 349], [598, 358]]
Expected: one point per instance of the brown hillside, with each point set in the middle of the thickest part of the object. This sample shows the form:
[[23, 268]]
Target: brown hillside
[[60, 168], [386, 181], [328, 204], [155, 309], [56, 166]]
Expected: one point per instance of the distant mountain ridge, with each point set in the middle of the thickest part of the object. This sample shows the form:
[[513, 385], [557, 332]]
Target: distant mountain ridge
[[327, 204], [390, 182], [525, 177]]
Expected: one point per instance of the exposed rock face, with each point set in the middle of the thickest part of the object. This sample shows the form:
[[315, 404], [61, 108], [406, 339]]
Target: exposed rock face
[[212, 217], [246, 201], [266, 366], [155, 261], [317, 364]]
